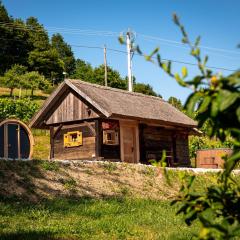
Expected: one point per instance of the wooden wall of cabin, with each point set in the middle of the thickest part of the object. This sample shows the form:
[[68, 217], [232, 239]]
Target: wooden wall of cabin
[[182, 149], [153, 140], [86, 151], [109, 151], [71, 108]]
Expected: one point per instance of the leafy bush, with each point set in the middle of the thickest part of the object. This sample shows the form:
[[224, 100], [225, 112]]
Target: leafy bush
[[22, 109], [196, 143], [50, 166]]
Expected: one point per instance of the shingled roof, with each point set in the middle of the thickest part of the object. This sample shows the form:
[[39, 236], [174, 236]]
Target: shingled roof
[[112, 102]]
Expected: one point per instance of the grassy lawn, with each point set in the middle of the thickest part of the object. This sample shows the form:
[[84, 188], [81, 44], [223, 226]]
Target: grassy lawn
[[41, 148], [82, 218]]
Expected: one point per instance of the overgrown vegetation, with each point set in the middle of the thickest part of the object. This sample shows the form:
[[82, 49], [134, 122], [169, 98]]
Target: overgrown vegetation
[[20, 108]]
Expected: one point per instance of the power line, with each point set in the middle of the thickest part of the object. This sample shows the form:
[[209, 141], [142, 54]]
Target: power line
[[164, 59], [120, 51], [91, 32], [213, 53], [124, 52], [63, 30], [180, 43]]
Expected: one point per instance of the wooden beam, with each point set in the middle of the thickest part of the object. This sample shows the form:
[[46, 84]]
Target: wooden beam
[[57, 131], [51, 142], [97, 139], [90, 127]]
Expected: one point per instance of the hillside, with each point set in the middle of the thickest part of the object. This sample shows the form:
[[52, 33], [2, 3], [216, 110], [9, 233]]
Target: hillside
[[91, 200], [37, 179]]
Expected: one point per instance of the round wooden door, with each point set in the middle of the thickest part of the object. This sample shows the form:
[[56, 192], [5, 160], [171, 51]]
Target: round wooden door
[[15, 140]]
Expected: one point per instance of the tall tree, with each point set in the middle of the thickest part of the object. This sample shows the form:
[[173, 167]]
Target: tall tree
[[65, 52], [145, 89], [83, 71], [176, 103], [14, 46], [47, 63], [113, 77], [38, 37]]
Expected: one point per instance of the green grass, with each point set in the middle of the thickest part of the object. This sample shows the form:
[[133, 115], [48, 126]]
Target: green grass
[[86, 218], [41, 148], [39, 96]]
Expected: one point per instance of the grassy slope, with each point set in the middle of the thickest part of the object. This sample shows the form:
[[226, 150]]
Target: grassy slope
[[84, 218], [97, 200]]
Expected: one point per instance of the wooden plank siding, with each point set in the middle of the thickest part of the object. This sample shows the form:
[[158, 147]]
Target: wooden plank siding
[[86, 151], [71, 108], [153, 140], [182, 150]]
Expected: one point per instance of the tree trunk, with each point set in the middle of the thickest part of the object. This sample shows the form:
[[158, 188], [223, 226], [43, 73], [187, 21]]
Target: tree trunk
[[32, 92], [11, 92]]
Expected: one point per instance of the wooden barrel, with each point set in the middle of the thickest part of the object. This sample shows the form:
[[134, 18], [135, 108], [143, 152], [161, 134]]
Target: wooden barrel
[[16, 140]]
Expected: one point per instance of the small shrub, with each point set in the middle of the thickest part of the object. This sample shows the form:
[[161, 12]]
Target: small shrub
[[124, 190], [110, 167], [148, 171], [50, 166], [70, 184]]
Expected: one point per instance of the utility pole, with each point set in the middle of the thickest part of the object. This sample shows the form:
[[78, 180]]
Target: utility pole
[[105, 63], [129, 60]]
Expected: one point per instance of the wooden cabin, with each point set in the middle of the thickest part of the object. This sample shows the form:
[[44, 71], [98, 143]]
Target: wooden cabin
[[88, 121]]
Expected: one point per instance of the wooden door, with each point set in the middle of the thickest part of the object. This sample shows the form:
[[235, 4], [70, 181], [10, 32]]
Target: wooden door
[[1, 141], [129, 143], [13, 141]]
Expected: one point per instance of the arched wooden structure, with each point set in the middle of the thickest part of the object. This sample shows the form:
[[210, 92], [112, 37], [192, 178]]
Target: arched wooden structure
[[16, 140]]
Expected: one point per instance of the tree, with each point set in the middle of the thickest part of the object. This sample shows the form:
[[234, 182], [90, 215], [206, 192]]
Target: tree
[[13, 78], [33, 80], [145, 89], [217, 100], [176, 103], [113, 77], [47, 63], [38, 37], [14, 45], [83, 71], [65, 52]]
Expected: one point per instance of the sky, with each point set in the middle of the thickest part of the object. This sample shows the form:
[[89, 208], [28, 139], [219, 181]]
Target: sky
[[216, 21]]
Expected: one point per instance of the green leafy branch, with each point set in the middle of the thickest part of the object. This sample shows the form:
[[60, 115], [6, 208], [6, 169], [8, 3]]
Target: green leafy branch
[[215, 99]]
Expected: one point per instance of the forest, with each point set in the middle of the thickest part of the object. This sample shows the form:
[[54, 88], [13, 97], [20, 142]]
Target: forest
[[31, 59]]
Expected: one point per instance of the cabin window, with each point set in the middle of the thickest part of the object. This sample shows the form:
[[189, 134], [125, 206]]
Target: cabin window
[[110, 137], [73, 139]]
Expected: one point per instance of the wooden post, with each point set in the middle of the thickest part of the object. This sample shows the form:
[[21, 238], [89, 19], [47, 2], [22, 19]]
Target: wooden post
[[105, 64], [51, 142], [97, 139], [18, 141], [5, 140]]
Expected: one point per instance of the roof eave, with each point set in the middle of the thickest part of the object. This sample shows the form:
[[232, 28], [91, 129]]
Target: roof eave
[[119, 116]]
